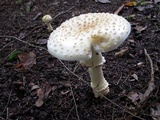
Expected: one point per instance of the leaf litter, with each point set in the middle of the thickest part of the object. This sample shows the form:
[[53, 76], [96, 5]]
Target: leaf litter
[[27, 60], [122, 52], [56, 114], [133, 96], [155, 111], [42, 94]]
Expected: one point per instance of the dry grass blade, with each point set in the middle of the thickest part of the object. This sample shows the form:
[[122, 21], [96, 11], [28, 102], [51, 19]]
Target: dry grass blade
[[72, 74], [101, 94], [123, 108], [74, 101], [75, 105], [67, 118], [62, 13], [119, 9], [151, 84]]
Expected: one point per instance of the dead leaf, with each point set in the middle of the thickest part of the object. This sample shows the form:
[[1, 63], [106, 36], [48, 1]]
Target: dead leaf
[[26, 60], [140, 28], [42, 94], [121, 52], [132, 41], [140, 8], [130, 4], [20, 65], [47, 90], [140, 63], [35, 87], [156, 1], [135, 76], [39, 103], [133, 96], [155, 111], [41, 41], [144, 7], [65, 92]]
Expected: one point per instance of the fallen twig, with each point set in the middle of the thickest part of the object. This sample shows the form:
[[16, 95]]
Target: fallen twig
[[119, 9], [71, 73], [101, 94], [62, 12], [151, 84], [74, 102], [15, 38], [8, 101], [67, 118]]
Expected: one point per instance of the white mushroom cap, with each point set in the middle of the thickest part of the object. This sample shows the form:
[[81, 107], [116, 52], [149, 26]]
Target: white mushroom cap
[[73, 39], [46, 18]]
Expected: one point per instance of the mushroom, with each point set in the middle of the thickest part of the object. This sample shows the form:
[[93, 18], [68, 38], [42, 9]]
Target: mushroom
[[47, 20], [83, 38]]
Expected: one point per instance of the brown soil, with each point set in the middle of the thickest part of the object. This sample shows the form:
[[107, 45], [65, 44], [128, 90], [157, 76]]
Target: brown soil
[[65, 94]]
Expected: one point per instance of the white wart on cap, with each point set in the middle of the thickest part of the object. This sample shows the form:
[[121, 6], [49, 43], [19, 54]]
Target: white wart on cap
[[73, 39]]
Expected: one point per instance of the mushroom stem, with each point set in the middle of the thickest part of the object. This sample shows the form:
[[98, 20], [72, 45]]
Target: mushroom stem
[[49, 27], [98, 83]]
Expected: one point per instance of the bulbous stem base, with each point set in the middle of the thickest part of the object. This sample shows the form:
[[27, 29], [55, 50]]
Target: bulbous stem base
[[99, 85]]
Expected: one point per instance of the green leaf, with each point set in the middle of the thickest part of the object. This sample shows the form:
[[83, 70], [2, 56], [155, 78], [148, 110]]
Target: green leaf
[[14, 54]]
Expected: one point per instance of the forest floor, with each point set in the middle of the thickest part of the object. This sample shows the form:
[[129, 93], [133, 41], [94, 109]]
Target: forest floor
[[36, 86]]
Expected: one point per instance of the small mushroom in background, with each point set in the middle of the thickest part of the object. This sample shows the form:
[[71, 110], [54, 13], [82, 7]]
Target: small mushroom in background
[[84, 37], [47, 20]]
